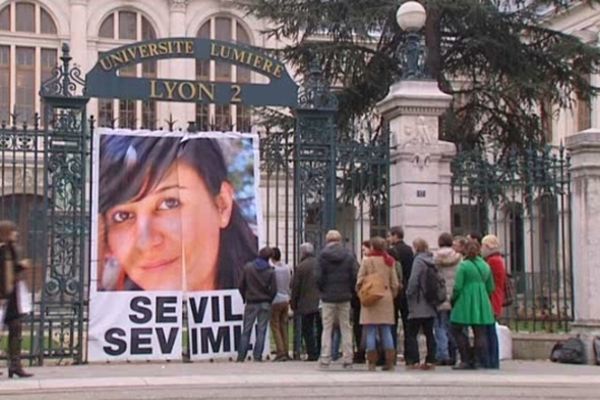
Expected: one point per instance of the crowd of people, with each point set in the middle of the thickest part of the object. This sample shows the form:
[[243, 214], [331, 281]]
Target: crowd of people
[[350, 310]]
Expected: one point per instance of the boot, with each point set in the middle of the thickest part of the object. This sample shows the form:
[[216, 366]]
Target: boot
[[372, 357], [390, 360], [14, 350]]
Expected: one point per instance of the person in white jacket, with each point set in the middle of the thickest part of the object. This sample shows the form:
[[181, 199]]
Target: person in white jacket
[[446, 259]]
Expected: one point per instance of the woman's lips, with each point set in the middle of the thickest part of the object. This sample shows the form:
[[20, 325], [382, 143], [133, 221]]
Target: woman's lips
[[154, 265]]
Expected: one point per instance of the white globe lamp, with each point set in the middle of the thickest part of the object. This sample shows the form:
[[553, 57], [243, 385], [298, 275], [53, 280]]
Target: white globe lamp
[[411, 16]]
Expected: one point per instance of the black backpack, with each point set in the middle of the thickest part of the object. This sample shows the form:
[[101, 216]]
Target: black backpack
[[435, 286], [570, 351]]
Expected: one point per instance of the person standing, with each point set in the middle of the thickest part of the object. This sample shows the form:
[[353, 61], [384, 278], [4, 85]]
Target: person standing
[[421, 314], [11, 268], [471, 306], [490, 251], [404, 255], [446, 259], [378, 318], [305, 301], [258, 289], [281, 306], [336, 279]]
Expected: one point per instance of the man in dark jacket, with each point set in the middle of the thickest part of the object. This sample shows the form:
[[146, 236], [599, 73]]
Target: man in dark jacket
[[402, 253], [305, 300], [336, 279], [258, 289]]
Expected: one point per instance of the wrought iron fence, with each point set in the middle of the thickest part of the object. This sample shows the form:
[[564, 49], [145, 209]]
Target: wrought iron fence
[[524, 198]]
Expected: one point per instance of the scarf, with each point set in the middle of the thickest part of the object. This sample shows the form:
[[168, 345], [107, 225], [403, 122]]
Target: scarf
[[389, 260]]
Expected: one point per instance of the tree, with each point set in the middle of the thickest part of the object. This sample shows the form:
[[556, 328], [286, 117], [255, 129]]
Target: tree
[[508, 61]]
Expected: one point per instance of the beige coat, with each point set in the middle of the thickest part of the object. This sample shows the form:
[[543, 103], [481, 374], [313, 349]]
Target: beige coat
[[381, 312]]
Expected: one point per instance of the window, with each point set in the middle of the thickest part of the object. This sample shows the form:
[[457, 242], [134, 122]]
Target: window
[[123, 25], [25, 81], [127, 25], [4, 83], [25, 17], [23, 61], [47, 23], [584, 111], [223, 117], [5, 19], [107, 29]]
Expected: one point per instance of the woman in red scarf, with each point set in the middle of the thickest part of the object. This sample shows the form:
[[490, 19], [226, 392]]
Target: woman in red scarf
[[380, 315]]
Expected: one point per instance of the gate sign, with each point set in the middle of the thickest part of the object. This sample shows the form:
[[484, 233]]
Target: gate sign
[[103, 80]]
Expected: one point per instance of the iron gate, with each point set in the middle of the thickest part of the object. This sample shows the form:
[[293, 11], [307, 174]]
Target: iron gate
[[314, 178], [523, 197], [45, 189]]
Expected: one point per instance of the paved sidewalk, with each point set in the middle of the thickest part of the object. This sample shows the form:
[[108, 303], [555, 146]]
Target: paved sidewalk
[[229, 374]]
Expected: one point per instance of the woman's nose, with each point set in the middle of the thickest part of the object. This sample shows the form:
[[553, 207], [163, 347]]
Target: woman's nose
[[148, 234]]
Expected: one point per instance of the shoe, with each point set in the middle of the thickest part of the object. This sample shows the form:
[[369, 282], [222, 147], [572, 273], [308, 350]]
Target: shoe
[[372, 360], [412, 367], [390, 360], [427, 366], [463, 366], [323, 365], [347, 365], [20, 372], [312, 358]]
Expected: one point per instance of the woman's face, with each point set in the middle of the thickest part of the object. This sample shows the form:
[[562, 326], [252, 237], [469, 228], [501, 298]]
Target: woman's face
[[175, 227], [365, 250]]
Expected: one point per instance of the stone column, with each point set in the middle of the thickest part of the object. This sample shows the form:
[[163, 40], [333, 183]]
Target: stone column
[[177, 67], [420, 170], [584, 148], [78, 33]]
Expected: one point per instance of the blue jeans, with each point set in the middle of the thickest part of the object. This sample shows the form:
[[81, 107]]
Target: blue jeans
[[385, 335], [261, 314], [446, 346], [493, 359]]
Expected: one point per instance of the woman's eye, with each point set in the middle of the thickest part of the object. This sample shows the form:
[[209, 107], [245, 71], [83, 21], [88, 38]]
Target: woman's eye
[[121, 216], [169, 204]]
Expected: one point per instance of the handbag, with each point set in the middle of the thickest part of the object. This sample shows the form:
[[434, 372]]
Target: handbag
[[371, 290], [23, 298], [509, 291]]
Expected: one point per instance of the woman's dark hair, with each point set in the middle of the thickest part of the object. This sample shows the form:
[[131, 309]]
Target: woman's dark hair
[[445, 240], [472, 249], [132, 166], [276, 256]]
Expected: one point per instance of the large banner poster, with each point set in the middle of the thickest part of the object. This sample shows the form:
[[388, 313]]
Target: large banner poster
[[175, 218]]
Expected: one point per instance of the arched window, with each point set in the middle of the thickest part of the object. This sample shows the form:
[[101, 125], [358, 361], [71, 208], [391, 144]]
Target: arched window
[[223, 117], [127, 26], [24, 62]]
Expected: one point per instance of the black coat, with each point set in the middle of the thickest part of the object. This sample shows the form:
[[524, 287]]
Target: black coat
[[336, 273], [404, 254], [305, 292]]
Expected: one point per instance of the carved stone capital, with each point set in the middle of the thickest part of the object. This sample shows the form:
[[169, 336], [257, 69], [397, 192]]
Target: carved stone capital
[[178, 5]]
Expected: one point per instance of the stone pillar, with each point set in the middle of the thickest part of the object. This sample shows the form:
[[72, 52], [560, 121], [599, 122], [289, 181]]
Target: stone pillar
[[177, 67], [420, 171], [78, 33], [584, 148]]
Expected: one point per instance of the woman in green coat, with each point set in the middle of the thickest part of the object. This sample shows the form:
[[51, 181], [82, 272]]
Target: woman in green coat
[[471, 306]]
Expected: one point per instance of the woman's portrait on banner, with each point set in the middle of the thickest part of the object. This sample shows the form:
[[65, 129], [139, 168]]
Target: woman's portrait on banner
[[175, 212]]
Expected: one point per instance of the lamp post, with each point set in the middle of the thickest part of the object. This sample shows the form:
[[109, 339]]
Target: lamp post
[[411, 18]]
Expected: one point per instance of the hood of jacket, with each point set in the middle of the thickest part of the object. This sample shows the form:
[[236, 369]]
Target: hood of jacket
[[426, 257], [334, 253], [261, 263], [447, 257]]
